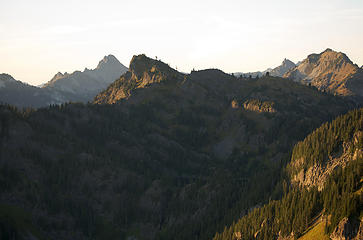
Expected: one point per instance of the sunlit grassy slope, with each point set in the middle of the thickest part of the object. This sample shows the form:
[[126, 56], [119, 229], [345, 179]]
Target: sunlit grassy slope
[[316, 233]]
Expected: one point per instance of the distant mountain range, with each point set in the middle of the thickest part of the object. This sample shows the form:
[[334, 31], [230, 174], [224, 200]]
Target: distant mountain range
[[21, 94], [279, 71], [328, 71], [85, 85], [76, 87]]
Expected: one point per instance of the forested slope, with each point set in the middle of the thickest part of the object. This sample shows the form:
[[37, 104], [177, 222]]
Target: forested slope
[[339, 197]]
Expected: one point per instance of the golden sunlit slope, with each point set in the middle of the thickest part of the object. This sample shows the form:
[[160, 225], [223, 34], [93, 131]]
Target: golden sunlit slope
[[329, 71]]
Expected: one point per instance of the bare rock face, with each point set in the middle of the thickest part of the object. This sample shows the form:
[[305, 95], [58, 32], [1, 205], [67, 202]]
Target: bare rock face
[[346, 230], [234, 104], [316, 175], [329, 71]]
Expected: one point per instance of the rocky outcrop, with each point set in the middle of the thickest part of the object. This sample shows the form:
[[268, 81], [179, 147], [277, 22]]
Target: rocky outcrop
[[234, 104], [317, 174], [256, 105], [347, 230], [143, 72]]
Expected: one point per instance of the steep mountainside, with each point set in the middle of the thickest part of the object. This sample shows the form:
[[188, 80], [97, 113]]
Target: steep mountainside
[[160, 160], [85, 85], [337, 201], [279, 71], [330, 71]]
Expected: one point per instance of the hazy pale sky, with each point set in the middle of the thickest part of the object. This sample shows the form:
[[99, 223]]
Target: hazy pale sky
[[39, 38]]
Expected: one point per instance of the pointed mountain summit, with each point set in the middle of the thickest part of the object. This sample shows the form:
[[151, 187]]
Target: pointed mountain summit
[[83, 86], [285, 66], [108, 61], [329, 71], [143, 71]]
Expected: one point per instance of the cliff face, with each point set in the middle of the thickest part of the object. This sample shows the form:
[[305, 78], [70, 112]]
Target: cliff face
[[331, 146], [329, 71], [348, 230], [318, 173]]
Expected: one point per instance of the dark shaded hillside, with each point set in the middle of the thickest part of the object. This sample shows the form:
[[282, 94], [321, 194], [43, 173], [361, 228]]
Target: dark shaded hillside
[[159, 163], [21, 94], [340, 196]]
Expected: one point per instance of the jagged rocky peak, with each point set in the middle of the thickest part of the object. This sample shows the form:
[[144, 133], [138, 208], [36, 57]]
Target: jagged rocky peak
[[288, 63], [108, 60], [141, 63], [328, 55], [331, 53], [329, 71]]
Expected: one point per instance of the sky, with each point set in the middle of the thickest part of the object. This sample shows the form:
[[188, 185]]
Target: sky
[[39, 38]]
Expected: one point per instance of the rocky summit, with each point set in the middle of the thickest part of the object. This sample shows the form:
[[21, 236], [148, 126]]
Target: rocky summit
[[329, 71]]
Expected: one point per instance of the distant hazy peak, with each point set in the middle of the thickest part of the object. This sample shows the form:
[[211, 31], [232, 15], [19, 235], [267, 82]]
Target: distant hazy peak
[[108, 60], [287, 62]]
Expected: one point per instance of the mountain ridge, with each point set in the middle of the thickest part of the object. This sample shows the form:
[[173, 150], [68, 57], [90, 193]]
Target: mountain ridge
[[88, 83], [278, 71], [63, 87]]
